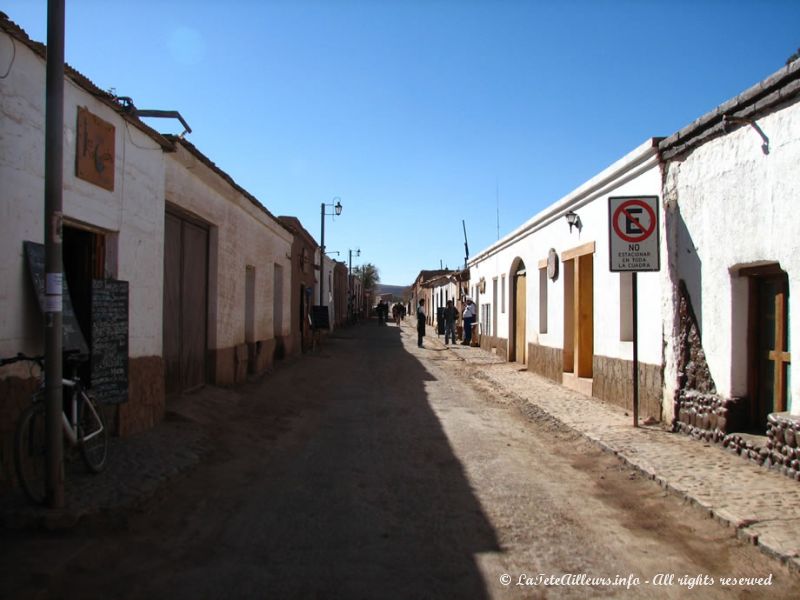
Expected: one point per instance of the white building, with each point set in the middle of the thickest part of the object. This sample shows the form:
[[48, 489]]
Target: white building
[[547, 299], [113, 207], [731, 194]]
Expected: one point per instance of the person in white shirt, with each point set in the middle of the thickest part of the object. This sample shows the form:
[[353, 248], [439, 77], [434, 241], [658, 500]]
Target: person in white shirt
[[469, 319]]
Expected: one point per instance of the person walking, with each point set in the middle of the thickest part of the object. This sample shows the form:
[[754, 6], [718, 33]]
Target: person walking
[[469, 319], [421, 318], [450, 316]]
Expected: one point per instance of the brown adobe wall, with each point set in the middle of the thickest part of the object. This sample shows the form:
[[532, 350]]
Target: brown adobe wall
[[146, 397]]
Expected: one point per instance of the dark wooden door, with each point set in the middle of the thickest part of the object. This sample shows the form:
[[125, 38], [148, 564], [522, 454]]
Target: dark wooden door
[[185, 303], [771, 353]]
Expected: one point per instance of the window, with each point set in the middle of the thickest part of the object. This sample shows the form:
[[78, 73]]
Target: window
[[503, 294], [543, 300], [486, 323], [277, 301], [250, 304]]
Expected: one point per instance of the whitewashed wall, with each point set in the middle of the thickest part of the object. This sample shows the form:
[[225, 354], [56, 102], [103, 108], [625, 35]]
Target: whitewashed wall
[[131, 216], [740, 207], [241, 234], [635, 174]]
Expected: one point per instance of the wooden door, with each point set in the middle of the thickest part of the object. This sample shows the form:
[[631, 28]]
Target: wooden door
[[520, 343], [185, 303], [770, 351]]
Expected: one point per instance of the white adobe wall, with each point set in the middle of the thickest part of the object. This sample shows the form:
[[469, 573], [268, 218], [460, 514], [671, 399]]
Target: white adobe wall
[[739, 206], [131, 215], [549, 229], [241, 234]]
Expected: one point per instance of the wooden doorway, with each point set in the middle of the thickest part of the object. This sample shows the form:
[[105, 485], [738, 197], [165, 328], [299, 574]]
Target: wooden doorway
[[185, 303], [517, 338], [578, 355], [769, 353]]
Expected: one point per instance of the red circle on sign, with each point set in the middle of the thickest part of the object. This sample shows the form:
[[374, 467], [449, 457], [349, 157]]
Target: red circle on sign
[[645, 232]]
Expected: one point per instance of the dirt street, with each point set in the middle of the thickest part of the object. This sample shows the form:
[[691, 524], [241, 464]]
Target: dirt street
[[374, 469]]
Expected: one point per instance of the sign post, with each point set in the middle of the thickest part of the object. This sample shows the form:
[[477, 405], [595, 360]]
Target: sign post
[[633, 241]]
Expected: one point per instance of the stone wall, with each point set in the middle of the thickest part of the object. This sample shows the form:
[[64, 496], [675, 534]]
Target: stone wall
[[545, 361], [782, 451], [707, 416], [612, 383]]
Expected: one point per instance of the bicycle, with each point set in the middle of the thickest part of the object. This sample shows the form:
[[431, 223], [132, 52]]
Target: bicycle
[[82, 420]]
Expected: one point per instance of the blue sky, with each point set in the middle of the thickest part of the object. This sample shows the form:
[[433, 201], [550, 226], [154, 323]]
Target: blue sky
[[416, 114]]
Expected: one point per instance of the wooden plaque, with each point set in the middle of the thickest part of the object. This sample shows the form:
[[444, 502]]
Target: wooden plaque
[[94, 157]]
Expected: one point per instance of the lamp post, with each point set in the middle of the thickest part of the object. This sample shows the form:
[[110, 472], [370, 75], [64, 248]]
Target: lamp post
[[350, 284], [336, 205]]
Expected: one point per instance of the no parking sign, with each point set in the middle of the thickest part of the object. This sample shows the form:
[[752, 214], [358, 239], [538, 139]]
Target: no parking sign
[[633, 235]]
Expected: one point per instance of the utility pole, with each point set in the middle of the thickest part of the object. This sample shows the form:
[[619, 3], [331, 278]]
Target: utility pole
[[466, 247], [54, 269]]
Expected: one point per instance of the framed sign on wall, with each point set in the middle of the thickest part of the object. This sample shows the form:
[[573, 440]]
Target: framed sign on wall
[[94, 156]]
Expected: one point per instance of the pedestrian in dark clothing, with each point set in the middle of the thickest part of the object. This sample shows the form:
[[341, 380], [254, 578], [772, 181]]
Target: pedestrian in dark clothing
[[450, 315], [421, 318]]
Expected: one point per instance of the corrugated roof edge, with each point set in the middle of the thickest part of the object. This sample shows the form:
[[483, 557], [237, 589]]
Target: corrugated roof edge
[[211, 165], [19, 34], [781, 87]]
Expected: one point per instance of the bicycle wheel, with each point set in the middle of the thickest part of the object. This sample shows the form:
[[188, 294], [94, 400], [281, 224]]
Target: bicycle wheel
[[30, 453], [92, 433]]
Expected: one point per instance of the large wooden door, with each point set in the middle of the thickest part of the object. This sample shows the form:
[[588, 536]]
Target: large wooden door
[[185, 303], [520, 307]]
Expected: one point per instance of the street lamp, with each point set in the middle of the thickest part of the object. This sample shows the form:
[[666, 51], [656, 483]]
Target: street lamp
[[336, 205], [350, 299]]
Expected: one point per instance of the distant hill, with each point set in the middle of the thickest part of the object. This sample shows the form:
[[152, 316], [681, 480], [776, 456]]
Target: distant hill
[[396, 290]]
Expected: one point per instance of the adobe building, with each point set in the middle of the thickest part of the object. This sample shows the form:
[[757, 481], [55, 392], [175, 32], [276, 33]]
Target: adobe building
[[303, 283], [227, 276], [731, 185], [113, 207]]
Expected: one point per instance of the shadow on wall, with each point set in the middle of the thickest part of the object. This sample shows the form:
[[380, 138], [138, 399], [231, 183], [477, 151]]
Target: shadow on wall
[[689, 268]]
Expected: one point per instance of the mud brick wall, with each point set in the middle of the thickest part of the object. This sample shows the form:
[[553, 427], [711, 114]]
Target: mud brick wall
[[146, 396], [612, 382], [545, 361]]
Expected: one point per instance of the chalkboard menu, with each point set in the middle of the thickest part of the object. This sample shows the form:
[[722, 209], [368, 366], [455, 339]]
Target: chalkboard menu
[[73, 336], [110, 340], [320, 318]]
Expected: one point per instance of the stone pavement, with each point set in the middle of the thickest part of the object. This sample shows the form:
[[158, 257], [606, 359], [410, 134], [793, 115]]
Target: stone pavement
[[137, 467], [762, 506]]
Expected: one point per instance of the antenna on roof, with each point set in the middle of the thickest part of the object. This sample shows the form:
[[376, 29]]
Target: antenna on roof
[[466, 247]]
